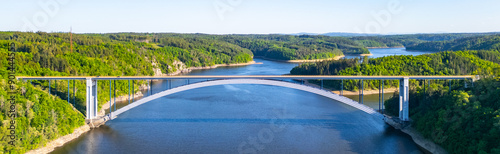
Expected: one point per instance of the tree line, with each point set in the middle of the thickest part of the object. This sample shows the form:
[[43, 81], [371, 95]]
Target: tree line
[[442, 63]]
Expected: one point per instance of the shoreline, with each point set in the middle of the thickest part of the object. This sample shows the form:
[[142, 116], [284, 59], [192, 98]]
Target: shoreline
[[384, 47], [361, 55], [303, 60], [352, 93], [187, 70], [365, 92], [60, 141]]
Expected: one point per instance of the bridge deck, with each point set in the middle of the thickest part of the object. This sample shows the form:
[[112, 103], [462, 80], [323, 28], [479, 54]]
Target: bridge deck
[[277, 77]]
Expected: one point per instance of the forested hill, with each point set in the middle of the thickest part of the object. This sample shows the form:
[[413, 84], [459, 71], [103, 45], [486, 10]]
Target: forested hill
[[274, 46], [489, 42], [414, 39], [289, 47], [442, 63]]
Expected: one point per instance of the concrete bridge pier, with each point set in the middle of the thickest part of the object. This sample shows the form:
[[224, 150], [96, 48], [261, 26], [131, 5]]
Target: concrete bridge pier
[[91, 100], [404, 90]]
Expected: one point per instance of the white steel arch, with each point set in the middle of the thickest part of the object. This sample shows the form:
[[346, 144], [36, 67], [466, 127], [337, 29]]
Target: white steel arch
[[314, 90]]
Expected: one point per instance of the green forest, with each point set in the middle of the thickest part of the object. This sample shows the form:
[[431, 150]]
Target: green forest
[[489, 42], [413, 40], [288, 47], [274, 46], [40, 117], [464, 120], [484, 63]]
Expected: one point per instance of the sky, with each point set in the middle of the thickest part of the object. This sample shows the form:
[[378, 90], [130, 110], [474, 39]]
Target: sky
[[251, 16]]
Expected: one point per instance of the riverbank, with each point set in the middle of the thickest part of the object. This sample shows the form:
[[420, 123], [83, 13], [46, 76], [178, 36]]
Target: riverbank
[[187, 70], [360, 55], [304, 60], [384, 47], [350, 93], [426, 144], [49, 147]]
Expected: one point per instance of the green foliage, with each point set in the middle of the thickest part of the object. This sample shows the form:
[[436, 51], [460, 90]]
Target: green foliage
[[442, 63], [287, 47], [280, 47], [461, 121], [378, 42], [40, 117], [198, 51], [488, 42], [413, 39]]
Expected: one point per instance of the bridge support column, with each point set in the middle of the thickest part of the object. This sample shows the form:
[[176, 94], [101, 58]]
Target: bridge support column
[[128, 91], [68, 92], [342, 88], [404, 90], [91, 98], [74, 93], [383, 98], [49, 88], [133, 92], [362, 91]]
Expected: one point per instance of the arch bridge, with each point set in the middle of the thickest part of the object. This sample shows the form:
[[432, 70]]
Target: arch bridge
[[276, 80]]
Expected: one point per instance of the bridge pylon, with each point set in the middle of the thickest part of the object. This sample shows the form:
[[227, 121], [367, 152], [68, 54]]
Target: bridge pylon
[[91, 100], [404, 90]]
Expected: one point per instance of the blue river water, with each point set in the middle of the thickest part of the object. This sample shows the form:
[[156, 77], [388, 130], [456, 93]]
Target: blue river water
[[244, 119]]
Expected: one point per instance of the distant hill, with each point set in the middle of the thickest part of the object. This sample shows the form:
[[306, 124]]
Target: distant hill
[[349, 34], [336, 34], [302, 33]]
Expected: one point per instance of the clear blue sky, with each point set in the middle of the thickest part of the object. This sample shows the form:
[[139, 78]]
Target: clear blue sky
[[251, 16]]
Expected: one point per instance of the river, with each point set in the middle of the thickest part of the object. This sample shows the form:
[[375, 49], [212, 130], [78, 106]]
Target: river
[[244, 118]]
